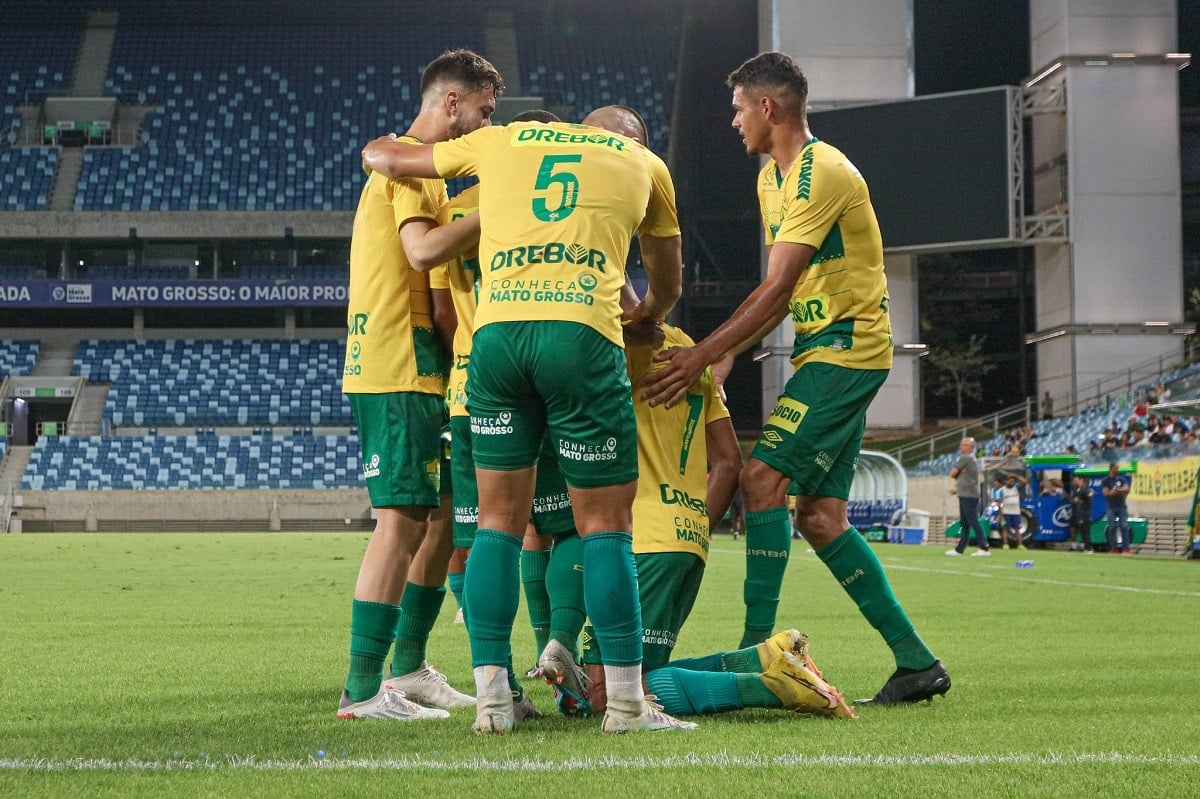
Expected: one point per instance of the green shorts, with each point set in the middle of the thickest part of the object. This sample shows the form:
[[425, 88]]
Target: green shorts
[[564, 379], [815, 432], [400, 434], [466, 490], [668, 584], [551, 512]]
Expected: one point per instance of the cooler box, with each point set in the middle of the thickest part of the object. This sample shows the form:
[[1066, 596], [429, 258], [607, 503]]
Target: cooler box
[[906, 535], [915, 517]]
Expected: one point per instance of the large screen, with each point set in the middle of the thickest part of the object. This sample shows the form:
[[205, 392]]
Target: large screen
[[938, 167]]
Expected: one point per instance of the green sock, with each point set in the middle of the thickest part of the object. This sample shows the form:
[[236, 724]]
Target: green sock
[[768, 545], [684, 692], [755, 693], [372, 628], [492, 594], [860, 573], [564, 587], [419, 609], [611, 593], [456, 580], [533, 578]]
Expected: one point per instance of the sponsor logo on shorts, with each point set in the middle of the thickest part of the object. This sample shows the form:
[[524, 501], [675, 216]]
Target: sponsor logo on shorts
[[466, 514], [587, 453], [824, 460], [371, 468], [788, 414], [498, 425], [559, 501], [433, 474], [660, 637]]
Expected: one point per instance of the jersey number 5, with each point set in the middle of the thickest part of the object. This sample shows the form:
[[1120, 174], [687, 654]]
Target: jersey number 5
[[547, 178]]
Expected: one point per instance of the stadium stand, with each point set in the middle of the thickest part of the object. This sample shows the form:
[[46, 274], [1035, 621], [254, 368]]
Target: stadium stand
[[193, 462], [244, 382], [18, 357], [587, 65], [250, 116], [30, 74], [248, 120], [1053, 436]]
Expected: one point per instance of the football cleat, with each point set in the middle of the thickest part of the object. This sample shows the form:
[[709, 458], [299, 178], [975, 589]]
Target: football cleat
[[800, 687], [567, 678], [524, 709], [428, 686], [389, 703], [643, 716], [786, 641], [906, 685]]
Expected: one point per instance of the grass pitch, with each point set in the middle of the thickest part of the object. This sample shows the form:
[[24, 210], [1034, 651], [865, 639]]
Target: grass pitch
[[210, 665]]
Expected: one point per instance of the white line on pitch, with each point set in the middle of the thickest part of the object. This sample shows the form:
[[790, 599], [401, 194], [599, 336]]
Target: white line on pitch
[[719, 760], [1071, 584]]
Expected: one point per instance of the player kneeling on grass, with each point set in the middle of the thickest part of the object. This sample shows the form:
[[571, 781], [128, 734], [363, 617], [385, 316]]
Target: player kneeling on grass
[[688, 459]]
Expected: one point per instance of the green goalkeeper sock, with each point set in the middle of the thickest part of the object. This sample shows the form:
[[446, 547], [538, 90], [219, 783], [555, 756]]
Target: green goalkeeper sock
[[858, 570], [768, 545], [533, 578], [419, 609], [372, 628]]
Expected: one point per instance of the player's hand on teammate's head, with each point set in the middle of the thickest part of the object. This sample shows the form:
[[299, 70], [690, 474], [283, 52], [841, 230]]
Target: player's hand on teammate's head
[[668, 385], [644, 332]]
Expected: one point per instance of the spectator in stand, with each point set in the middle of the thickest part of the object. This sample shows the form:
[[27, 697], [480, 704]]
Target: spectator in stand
[[1115, 488], [1081, 513], [1047, 406]]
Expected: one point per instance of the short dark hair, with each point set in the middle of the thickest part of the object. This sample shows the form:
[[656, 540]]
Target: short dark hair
[[463, 67], [536, 115], [640, 121], [776, 74]]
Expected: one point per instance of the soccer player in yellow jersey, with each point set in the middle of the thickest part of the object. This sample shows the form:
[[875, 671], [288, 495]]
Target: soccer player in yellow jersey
[[688, 464], [394, 382], [559, 205], [551, 512], [825, 270]]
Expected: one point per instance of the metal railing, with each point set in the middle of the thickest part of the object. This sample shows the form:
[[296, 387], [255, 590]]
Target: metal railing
[[947, 440], [1100, 393]]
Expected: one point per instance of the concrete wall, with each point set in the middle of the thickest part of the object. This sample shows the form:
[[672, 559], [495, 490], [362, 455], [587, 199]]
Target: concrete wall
[[933, 494], [202, 225], [228, 504]]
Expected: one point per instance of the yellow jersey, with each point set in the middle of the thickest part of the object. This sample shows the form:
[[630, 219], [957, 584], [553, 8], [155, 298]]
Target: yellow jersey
[[670, 512], [461, 278], [559, 205], [840, 303], [390, 341]]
